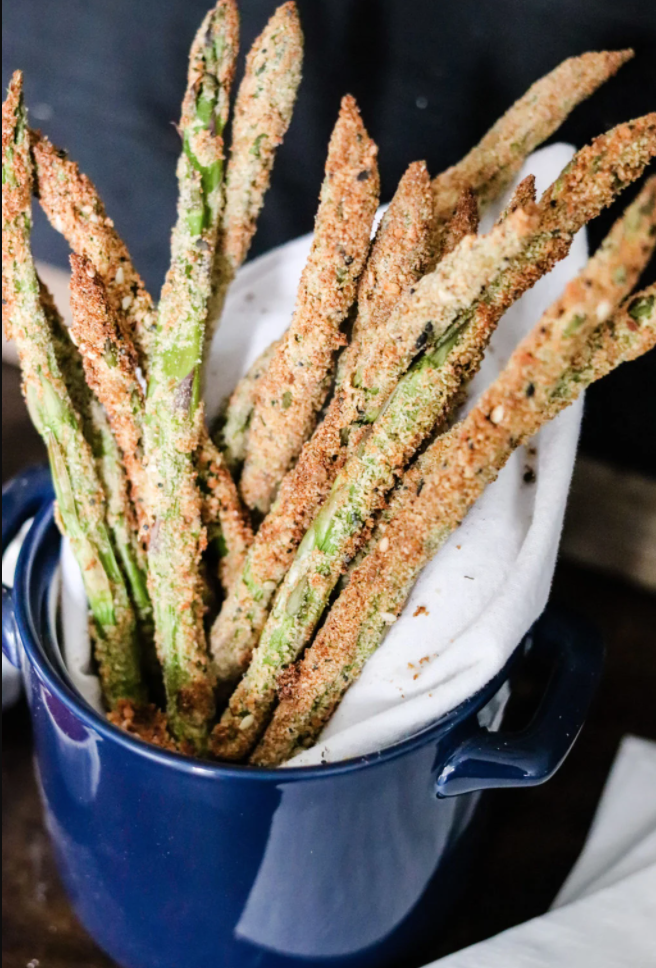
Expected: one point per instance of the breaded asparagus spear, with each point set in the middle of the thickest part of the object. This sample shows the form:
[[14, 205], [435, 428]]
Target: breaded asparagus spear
[[80, 497], [110, 364], [74, 208], [299, 603], [568, 328], [239, 411], [121, 518], [291, 392], [263, 110], [406, 232], [464, 221], [496, 159], [456, 468], [399, 257], [630, 333], [524, 194], [174, 411], [415, 407], [222, 507]]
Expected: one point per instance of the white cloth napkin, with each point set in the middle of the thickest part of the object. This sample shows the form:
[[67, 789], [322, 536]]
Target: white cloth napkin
[[605, 914], [622, 839], [491, 580]]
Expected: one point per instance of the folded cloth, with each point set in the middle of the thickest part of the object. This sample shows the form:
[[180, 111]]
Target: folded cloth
[[613, 928], [605, 914], [622, 838], [476, 599]]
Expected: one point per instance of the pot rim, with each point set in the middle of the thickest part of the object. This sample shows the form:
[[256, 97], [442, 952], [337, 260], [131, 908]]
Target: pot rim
[[28, 563]]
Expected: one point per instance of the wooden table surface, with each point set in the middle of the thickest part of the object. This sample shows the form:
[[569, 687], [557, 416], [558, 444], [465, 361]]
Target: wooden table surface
[[532, 837]]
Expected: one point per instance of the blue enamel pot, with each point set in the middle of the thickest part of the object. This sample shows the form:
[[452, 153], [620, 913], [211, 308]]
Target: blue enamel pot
[[175, 863]]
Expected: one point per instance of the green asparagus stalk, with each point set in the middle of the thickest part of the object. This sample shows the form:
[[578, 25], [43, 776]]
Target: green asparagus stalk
[[110, 365], [80, 498], [121, 519], [174, 410], [380, 355], [491, 166], [592, 180], [543, 376], [567, 330], [239, 411], [629, 334], [74, 208], [223, 514], [293, 389], [263, 110], [464, 462]]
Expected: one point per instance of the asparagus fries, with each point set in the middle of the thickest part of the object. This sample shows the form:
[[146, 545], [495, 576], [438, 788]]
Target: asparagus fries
[[263, 111], [463, 462], [293, 389], [452, 474], [143, 492], [494, 162], [80, 497], [221, 506], [239, 411], [413, 410], [174, 411], [431, 307], [110, 364], [405, 228], [75, 209]]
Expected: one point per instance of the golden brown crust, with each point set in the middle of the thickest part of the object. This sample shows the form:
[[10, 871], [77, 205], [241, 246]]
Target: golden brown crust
[[290, 394], [260, 121], [147, 723], [110, 363], [338, 436], [525, 194], [464, 221], [74, 208], [493, 163], [222, 504], [400, 255], [16, 196], [453, 472]]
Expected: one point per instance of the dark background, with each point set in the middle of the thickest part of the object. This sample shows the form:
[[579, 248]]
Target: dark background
[[105, 80]]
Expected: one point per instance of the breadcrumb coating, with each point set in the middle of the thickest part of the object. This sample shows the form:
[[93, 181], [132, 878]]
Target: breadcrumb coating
[[417, 405], [294, 387], [222, 505], [239, 411], [74, 208], [452, 474], [494, 162], [174, 410], [110, 364], [81, 506]]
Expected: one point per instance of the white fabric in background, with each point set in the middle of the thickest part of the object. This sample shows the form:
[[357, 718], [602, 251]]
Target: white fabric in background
[[615, 928], [487, 584], [622, 838], [605, 914]]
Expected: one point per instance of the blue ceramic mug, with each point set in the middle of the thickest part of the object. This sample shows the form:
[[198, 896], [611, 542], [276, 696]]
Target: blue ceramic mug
[[175, 863]]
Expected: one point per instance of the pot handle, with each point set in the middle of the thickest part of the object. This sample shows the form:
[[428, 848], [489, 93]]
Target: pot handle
[[22, 498], [487, 759]]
